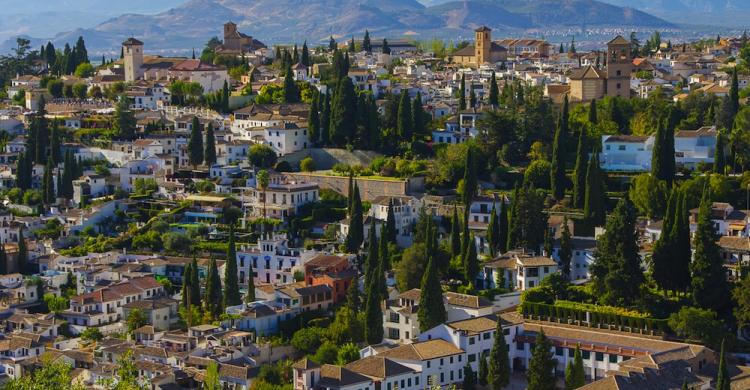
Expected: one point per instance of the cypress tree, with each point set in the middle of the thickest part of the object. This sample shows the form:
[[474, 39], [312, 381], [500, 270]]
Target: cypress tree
[[232, 295], [404, 123], [3, 260], [734, 92], [210, 152], [195, 286], [384, 254], [617, 269], [594, 212], [313, 119], [662, 256], [366, 45], [23, 254], [470, 381], [355, 235], [373, 314], [709, 284], [353, 300], [418, 117], [455, 234], [225, 97], [540, 374], [719, 156], [723, 380], [566, 248], [579, 174], [213, 298], [502, 231], [390, 224], [372, 261], [493, 232], [465, 236], [195, 144], [470, 261], [470, 178], [55, 150], [305, 60], [291, 93], [48, 184], [331, 43], [658, 170], [483, 369], [325, 120], [472, 98], [514, 229], [557, 169], [683, 253], [462, 93], [431, 310], [343, 113], [494, 92], [593, 119], [498, 373], [186, 275], [575, 375], [385, 49]]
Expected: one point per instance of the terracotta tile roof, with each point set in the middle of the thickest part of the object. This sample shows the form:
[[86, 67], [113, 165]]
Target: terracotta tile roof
[[378, 367], [424, 350], [305, 364], [335, 376], [587, 72], [536, 261], [195, 65], [466, 300]]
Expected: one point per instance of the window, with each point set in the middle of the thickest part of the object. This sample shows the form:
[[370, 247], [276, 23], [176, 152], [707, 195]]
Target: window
[[416, 381], [559, 351], [451, 375], [428, 366], [442, 377], [571, 352], [612, 358], [471, 341], [472, 358], [506, 331], [451, 360], [519, 346], [441, 361], [586, 355], [621, 147], [599, 357], [402, 383], [486, 335]]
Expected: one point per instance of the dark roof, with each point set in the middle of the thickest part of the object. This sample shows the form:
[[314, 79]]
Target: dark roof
[[483, 28], [587, 72], [131, 42]]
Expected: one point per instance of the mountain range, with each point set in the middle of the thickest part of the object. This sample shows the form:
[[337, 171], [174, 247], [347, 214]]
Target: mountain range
[[192, 23]]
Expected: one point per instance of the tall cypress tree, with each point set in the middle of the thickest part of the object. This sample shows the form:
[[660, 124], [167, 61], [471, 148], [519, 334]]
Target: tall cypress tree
[[540, 374], [734, 92], [431, 310], [455, 234], [575, 375], [54, 147], [305, 59], [594, 212], [498, 374], [390, 224], [483, 369], [709, 284], [343, 113], [502, 231], [662, 256], [493, 232], [186, 288], [232, 295], [213, 299], [579, 174], [3, 260], [403, 123], [723, 380], [209, 155], [291, 93], [593, 117], [470, 178], [373, 260], [313, 119], [557, 169], [374, 312], [514, 230], [470, 381], [616, 270], [462, 93], [355, 235], [418, 117], [325, 120], [195, 286], [719, 156], [195, 144], [566, 248], [494, 92], [366, 44], [48, 183], [23, 254], [470, 261], [683, 254], [472, 98]]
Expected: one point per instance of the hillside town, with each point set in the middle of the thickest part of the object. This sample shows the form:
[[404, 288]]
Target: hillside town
[[376, 213]]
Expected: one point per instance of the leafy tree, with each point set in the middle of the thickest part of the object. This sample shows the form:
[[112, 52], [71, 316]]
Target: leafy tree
[[498, 374], [84, 70], [540, 374], [195, 144], [231, 288], [124, 122], [209, 155], [709, 284], [211, 379], [52, 374], [92, 334], [327, 353], [616, 270], [262, 156], [431, 308], [136, 319], [348, 353], [696, 324], [410, 269]]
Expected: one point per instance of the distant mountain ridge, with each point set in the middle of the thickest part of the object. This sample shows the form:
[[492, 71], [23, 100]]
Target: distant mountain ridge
[[191, 24], [718, 12]]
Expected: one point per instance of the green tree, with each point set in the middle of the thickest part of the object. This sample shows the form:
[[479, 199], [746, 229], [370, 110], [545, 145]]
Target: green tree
[[470, 178], [232, 295], [195, 144], [540, 374], [494, 92], [313, 119], [209, 155], [616, 270], [483, 369], [355, 235], [493, 232], [557, 171], [348, 353], [741, 295], [470, 261], [697, 325], [291, 93], [470, 381], [211, 379], [418, 117], [661, 168], [502, 243], [404, 122], [566, 248], [663, 252], [213, 299], [343, 113], [649, 195], [431, 310], [575, 375], [498, 374], [136, 319], [48, 183], [723, 380], [719, 153], [709, 284], [455, 234], [373, 313], [579, 173], [23, 254], [594, 212], [124, 122], [51, 374], [462, 93]]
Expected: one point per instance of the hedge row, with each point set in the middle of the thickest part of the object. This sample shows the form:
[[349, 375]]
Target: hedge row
[[596, 318]]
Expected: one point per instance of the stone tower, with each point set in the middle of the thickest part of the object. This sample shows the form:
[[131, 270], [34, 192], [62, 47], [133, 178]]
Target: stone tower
[[482, 44], [619, 65], [132, 50]]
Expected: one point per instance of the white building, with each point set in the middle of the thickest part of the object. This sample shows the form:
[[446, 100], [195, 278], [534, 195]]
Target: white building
[[271, 261], [583, 249], [626, 153], [517, 270], [694, 147], [286, 138], [458, 131]]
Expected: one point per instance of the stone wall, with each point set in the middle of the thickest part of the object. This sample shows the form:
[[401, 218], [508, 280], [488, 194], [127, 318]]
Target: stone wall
[[369, 188]]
